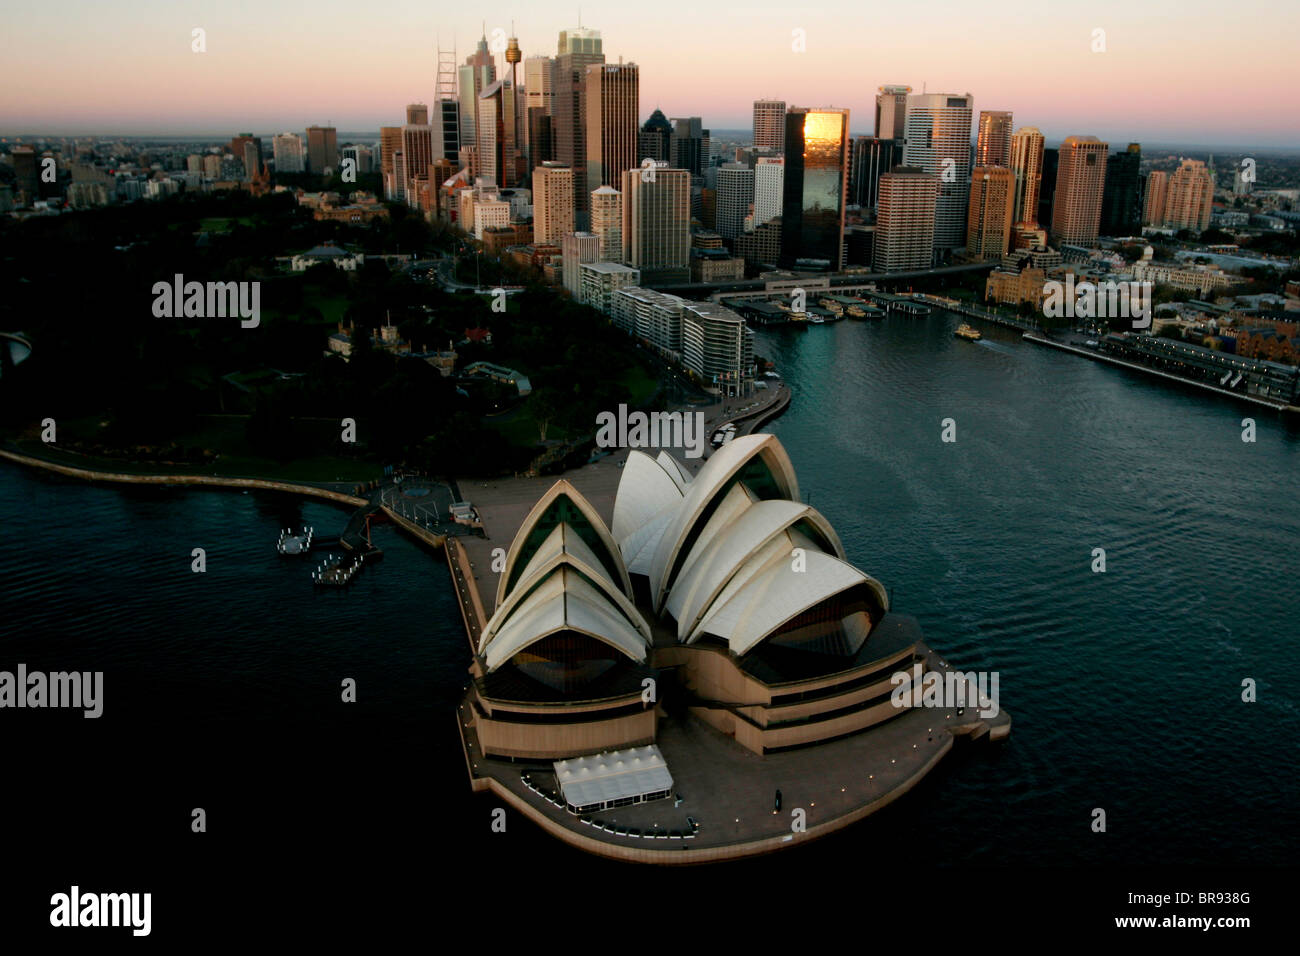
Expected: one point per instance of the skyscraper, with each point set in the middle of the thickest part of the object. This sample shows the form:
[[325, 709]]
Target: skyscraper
[[938, 141], [689, 145], [816, 183], [905, 220], [1156, 191], [26, 176], [252, 160], [539, 100], [988, 220], [735, 199], [446, 129], [718, 347], [1190, 197], [1080, 179], [993, 143], [769, 181], [769, 124], [361, 156], [417, 114], [607, 222], [395, 182], [1027, 166], [872, 157], [1047, 187], [578, 48], [286, 149], [613, 104], [497, 134], [656, 223], [322, 148], [1241, 182], [478, 73], [417, 146], [538, 77], [1121, 200], [446, 109], [655, 139], [390, 141], [891, 112], [552, 202], [578, 248]]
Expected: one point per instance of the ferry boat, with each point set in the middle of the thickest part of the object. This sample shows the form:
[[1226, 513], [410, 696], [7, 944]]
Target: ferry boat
[[817, 320], [964, 331]]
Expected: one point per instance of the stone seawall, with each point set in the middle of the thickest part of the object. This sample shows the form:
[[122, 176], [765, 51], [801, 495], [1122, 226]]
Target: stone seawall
[[211, 481]]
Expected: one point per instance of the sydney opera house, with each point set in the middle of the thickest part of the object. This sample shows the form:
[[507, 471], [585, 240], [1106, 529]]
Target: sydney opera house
[[714, 619]]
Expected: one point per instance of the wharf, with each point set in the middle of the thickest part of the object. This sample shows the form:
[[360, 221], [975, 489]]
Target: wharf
[[1097, 356]]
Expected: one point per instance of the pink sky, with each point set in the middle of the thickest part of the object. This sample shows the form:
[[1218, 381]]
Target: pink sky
[[1172, 71]]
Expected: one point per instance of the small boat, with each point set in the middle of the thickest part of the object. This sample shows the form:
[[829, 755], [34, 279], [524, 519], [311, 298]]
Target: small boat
[[817, 320], [964, 331]]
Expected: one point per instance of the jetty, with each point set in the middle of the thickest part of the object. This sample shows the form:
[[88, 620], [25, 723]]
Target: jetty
[[975, 312], [906, 304]]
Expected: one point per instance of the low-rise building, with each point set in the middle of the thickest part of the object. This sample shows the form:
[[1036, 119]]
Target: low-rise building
[[1198, 278], [327, 252], [498, 373], [600, 280], [1010, 287], [715, 265], [653, 317]]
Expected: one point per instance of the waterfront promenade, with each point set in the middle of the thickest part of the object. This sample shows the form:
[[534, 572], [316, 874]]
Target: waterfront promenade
[[729, 791], [1076, 348], [211, 481], [975, 312]]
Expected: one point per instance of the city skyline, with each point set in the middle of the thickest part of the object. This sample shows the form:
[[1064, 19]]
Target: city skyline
[[293, 70]]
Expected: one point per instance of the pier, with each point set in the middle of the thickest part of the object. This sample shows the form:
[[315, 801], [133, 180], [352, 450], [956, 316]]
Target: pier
[[907, 304], [974, 312], [1098, 356]]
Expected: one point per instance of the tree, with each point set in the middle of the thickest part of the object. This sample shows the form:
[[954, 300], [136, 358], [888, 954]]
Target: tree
[[542, 405]]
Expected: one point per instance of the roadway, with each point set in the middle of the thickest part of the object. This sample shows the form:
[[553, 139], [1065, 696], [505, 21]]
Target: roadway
[[838, 280]]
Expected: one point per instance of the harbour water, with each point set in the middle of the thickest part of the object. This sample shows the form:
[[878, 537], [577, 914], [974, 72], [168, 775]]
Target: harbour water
[[223, 689]]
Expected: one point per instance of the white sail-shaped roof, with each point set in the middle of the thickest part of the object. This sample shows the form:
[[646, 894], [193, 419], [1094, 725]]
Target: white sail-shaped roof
[[713, 477], [564, 602], [561, 489], [715, 559], [640, 546], [776, 594], [646, 487], [563, 547], [676, 470]]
